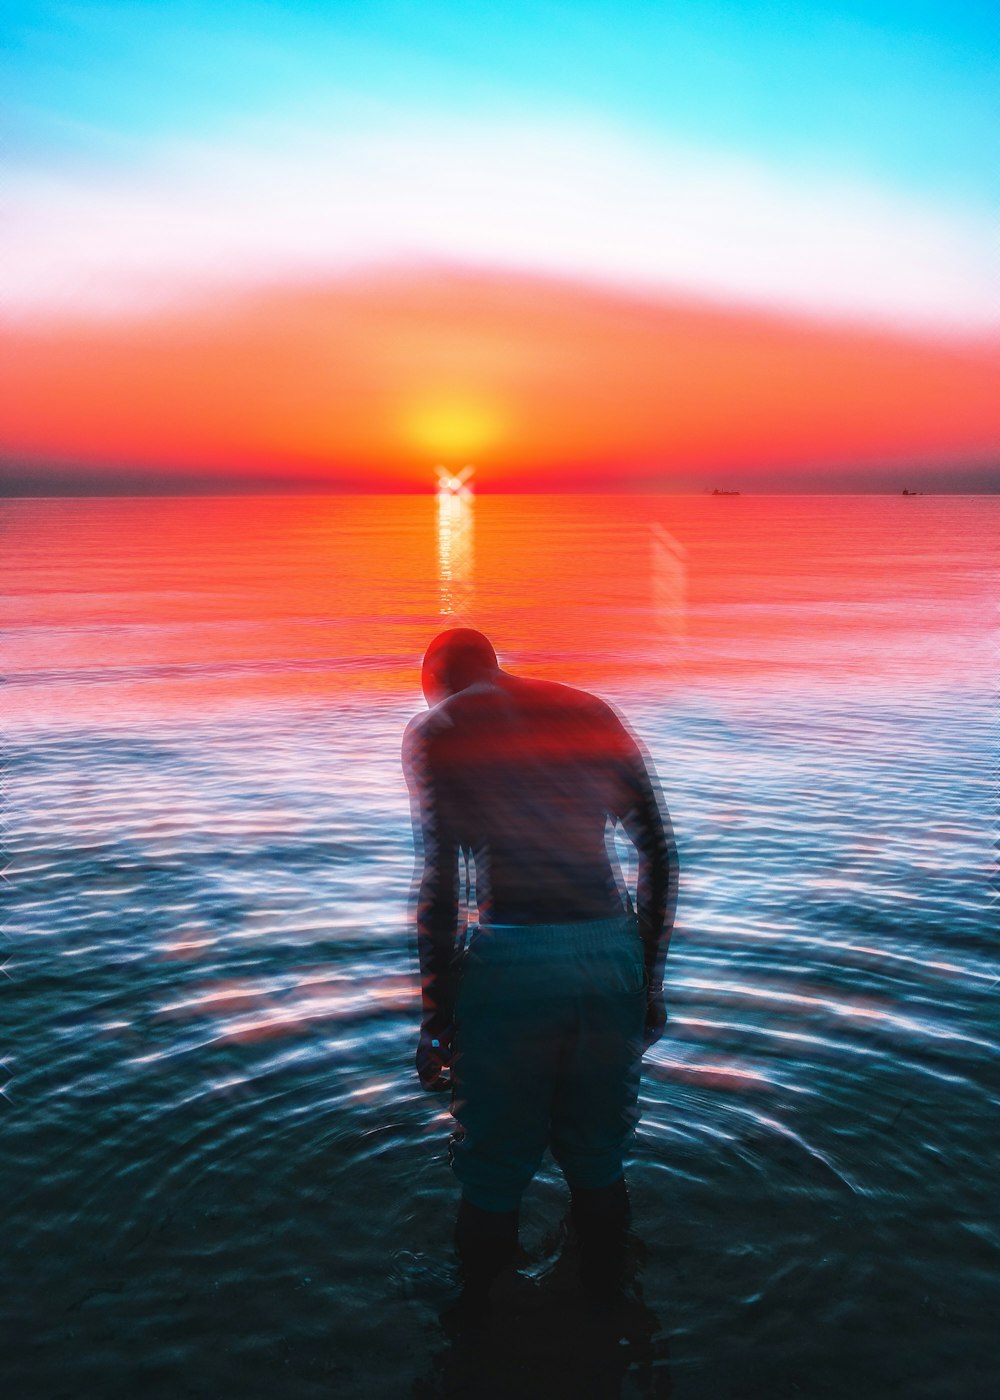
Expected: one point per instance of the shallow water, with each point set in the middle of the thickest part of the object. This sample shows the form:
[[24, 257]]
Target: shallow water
[[221, 1175]]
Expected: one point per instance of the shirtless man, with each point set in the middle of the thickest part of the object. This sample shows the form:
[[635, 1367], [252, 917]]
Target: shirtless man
[[544, 1018]]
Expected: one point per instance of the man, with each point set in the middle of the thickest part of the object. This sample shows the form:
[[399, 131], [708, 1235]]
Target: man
[[543, 1019]]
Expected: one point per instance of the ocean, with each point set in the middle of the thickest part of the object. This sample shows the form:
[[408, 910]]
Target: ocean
[[221, 1175]]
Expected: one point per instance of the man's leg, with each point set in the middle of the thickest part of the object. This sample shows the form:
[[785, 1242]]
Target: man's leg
[[485, 1242], [505, 1049], [502, 1073], [601, 1219], [595, 1106]]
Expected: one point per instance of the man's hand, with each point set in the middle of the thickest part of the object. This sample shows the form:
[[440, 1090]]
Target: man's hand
[[433, 1057], [656, 1017]]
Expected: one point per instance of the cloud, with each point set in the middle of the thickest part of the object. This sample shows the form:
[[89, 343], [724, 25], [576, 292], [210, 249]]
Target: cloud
[[556, 199]]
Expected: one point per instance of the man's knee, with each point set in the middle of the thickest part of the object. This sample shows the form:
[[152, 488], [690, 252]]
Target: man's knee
[[493, 1178], [590, 1171]]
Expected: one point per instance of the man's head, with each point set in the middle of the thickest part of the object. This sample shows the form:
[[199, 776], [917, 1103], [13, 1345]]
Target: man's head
[[454, 660]]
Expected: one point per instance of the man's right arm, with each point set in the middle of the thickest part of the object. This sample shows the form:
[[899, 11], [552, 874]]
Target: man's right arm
[[436, 905]]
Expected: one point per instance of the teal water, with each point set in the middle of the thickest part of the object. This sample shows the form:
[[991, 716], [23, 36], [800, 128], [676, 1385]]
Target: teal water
[[221, 1175]]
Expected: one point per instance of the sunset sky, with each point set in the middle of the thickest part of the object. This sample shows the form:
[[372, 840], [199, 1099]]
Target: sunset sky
[[582, 245]]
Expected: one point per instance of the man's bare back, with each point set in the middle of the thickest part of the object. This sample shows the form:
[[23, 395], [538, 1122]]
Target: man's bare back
[[524, 775]]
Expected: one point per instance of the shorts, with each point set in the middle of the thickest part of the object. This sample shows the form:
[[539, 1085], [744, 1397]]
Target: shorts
[[547, 1051]]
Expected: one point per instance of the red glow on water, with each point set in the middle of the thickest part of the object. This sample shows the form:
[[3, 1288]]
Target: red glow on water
[[116, 605]]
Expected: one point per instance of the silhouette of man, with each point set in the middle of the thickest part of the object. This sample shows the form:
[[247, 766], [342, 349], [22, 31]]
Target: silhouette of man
[[544, 1017]]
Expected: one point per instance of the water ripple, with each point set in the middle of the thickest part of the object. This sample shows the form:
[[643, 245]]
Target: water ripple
[[212, 1111]]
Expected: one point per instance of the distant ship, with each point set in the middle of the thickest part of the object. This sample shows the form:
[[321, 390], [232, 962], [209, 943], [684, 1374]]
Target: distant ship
[[717, 492], [911, 493]]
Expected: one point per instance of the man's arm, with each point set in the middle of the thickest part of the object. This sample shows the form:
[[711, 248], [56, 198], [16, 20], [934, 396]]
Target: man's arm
[[436, 909], [647, 824]]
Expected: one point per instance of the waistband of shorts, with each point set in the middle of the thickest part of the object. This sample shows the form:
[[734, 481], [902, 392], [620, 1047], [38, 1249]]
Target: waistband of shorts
[[587, 936]]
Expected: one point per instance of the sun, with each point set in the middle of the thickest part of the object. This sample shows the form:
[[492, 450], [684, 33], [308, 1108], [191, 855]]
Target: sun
[[452, 429]]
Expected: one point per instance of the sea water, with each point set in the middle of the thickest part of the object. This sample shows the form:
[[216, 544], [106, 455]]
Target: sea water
[[221, 1176]]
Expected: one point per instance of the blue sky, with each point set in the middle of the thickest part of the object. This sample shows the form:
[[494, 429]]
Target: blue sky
[[903, 95], [831, 160], [312, 189]]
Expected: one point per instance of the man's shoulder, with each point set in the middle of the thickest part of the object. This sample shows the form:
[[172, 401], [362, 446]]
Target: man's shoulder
[[581, 702], [529, 699], [425, 726]]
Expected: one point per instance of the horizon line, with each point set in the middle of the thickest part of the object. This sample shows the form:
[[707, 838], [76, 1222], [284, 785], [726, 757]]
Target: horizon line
[[728, 492]]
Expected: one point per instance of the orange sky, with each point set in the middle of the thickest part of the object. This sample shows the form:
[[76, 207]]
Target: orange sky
[[373, 380]]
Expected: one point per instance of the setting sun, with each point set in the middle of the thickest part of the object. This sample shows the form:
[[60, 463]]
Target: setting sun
[[453, 428]]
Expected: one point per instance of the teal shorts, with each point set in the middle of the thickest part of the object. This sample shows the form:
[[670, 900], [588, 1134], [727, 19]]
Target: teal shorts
[[547, 1049]]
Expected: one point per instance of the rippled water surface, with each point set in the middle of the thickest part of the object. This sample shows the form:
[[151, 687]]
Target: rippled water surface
[[221, 1176]]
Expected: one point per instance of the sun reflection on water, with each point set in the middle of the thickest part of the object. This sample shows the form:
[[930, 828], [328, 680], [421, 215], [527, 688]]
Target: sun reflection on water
[[456, 544]]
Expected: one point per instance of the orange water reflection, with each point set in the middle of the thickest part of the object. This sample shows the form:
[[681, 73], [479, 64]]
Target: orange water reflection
[[118, 606]]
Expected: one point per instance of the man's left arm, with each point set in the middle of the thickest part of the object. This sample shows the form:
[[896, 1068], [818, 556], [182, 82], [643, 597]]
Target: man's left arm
[[647, 824]]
